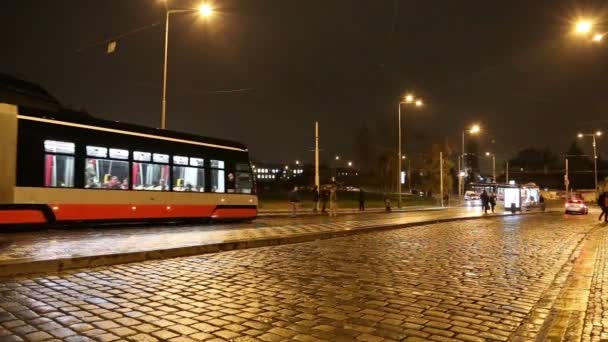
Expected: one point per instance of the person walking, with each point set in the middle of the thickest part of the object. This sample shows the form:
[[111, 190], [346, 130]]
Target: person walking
[[485, 199], [315, 199], [324, 196], [294, 200], [492, 201], [601, 202], [361, 200], [333, 201]]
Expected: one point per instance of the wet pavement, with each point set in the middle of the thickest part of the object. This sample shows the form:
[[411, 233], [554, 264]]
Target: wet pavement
[[474, 280], [73, 243]]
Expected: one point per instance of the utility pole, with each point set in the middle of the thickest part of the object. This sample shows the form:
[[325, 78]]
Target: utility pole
[[317, 181], [441, 176], [507, 173]]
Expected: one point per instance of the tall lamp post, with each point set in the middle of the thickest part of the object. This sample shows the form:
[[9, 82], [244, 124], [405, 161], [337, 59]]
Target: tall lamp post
[[488, 154], [204, 11], [593, 135], [462, 167], [407, 100]]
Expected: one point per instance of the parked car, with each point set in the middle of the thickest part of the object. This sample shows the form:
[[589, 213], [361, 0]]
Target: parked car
[[576, 206], [472, 198]]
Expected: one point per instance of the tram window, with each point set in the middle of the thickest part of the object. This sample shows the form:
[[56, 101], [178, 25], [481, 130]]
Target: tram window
[[218, 164], [217, 181], [188, 179], [96, 151], [148, 176], [59, 171], [59, 168], [142, 156], [243, 182], [106, 174], [160, 158], [53, 146], [178, 160], [197, 162], [119, 154]]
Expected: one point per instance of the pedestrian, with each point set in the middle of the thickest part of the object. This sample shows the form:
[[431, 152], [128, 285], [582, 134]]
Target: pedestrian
[[485, 199], [601, 202], [541, 201], [605, 210], [324, 198], [294, 200], [492, 201], [387, 203], [361, 199], [333, 201], [315, 199]]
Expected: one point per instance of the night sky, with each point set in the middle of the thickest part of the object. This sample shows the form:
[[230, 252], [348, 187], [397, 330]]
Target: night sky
[[261, 71]]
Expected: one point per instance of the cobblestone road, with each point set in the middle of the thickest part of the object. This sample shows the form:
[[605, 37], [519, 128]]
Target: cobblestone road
[[469, 281]]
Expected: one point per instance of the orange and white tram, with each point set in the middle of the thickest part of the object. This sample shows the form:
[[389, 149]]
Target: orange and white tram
[[65, 167]]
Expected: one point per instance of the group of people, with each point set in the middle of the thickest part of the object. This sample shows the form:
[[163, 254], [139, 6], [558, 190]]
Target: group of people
[[488, 201], [321, 198]]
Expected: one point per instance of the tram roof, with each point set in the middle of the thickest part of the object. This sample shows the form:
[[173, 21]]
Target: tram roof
[[33, 100]]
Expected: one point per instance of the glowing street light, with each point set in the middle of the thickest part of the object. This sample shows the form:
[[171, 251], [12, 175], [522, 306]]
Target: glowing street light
[[409, 98], [474, 129], [350, 163], [583, 26], [205, 11], [419, 103], [337, 158], [297, 162]]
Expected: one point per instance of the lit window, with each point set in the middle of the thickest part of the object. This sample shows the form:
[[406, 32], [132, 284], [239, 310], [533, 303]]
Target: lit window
[[199, 162], [148, 176], [218, 164], [189, 179], [96, 151], [218, 182], [178, 160], [142, 156], [160, 158], [59, 147], [58, 168], [119, 154]]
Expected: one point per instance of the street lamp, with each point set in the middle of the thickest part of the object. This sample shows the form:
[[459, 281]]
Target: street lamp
[[408, 99], [488, 154], [474, 129], [205, 11], [593, 135], [350, 163], [297, 162]]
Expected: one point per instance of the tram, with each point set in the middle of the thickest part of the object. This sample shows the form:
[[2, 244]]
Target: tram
[[61, 166]]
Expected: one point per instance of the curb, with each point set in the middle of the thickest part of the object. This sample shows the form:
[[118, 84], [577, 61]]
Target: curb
[[348, 212], [63, 264]]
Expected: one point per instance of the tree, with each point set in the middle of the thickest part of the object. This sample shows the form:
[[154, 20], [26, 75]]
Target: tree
[[429, 175], [365, 149], [531, 159]]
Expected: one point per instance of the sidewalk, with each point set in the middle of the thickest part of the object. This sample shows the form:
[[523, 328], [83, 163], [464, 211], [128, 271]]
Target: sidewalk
[[57, 250]]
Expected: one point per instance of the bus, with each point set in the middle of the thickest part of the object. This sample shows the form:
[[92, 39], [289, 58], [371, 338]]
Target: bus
[[62, 166]]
